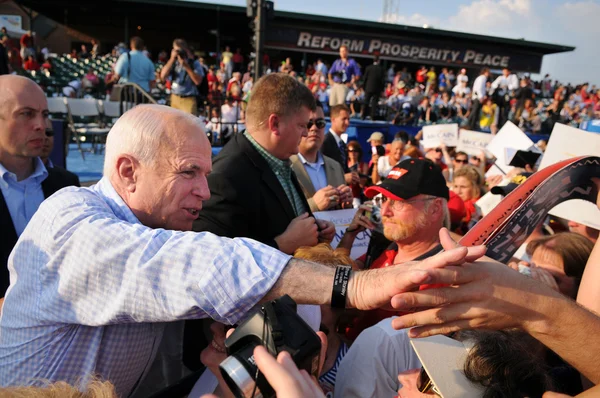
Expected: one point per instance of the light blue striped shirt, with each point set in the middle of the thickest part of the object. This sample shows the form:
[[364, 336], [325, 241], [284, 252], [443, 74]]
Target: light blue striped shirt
[[91, 289], [23, 197]]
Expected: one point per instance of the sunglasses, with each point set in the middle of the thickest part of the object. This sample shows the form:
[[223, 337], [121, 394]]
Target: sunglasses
[[463, 161], [425, 384], [438, 150], [49, 133], [320, 123], [351, 149]]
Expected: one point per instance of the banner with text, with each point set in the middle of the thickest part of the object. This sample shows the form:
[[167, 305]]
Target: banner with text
[[341, 219], [473, 142], [401, 48], [437, 134]]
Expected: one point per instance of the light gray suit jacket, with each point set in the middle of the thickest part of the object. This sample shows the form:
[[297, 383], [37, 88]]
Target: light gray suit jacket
[[333, 173]]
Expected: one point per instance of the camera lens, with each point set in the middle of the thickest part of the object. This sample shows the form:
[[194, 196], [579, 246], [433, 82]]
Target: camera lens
[[238, 370]]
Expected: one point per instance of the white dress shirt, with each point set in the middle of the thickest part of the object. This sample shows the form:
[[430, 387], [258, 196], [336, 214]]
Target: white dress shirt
[[479, 90]]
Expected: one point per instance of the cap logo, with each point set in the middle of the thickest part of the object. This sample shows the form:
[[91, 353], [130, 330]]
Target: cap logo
[[397, 173]]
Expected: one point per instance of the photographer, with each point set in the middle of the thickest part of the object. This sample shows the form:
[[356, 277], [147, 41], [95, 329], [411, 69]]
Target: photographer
[[185, 74], [382, 165]]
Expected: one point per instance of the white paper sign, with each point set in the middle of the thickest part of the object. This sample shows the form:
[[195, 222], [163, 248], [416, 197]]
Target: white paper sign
[[568, 142], [473, 142], [341, 219], [509, 136], [434, 135]]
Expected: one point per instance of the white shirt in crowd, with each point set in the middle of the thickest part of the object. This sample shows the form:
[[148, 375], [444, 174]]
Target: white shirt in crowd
[[462, 78], [460, 89], [371, 366], [511, 82], [479, 91], [384, 167]]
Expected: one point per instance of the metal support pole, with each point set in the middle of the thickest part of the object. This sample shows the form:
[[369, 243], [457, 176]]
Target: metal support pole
[[260, 27]]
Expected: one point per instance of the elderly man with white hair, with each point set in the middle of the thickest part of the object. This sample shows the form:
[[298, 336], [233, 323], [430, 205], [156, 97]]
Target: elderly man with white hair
[[99, 271]]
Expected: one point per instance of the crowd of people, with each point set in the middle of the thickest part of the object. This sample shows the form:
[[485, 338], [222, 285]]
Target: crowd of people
[[99, 285]]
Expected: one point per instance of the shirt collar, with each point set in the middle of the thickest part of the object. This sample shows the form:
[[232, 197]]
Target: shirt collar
[[274, 163], [319, 162], [337, 137], [39, 173], [105, 189]]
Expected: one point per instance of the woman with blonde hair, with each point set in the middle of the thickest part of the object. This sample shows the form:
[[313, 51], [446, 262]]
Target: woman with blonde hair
[[468, 185]]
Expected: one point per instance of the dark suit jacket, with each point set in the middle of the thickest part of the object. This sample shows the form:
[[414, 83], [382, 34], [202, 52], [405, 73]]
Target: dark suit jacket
[[246, 198], [374, 79], [330, 148], [57, 178]]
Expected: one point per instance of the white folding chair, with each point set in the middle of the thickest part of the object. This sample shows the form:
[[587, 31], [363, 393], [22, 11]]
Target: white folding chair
[[87, 109], [57, 106]]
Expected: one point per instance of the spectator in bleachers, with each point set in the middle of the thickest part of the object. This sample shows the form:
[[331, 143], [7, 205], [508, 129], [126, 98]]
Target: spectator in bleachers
[[27, 47], [31, 64], [185, 75], [91, 78], [84, 54], [134, 67]]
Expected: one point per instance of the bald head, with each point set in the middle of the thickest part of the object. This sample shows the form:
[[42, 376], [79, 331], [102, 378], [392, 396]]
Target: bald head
[[23, 115], [149, 132], [14, 89]]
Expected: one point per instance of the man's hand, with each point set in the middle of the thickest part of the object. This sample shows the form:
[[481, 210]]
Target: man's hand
[[379, 288], [352, 178], [285, 377], [327, 231], [484, 295], [326, 198], [345, 194], [302, 231], [360, 221]]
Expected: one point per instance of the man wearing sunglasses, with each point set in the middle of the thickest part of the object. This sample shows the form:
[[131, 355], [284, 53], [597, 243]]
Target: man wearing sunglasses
[[24, 181], [67, 176], [321, 178]]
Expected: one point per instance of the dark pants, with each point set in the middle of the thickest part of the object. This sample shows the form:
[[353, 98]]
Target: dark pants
[[473, 121], [370, 105]]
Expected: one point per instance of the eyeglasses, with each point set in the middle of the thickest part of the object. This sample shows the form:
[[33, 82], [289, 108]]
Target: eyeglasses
[[400, 205], [463, 161], [425, 384], [320, 123], [49, 133]]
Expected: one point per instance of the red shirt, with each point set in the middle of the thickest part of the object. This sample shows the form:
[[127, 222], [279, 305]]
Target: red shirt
[[370, 318], [31, 65], [237, 58]]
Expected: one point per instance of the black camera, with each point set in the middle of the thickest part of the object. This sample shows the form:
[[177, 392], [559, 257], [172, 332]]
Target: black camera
[[182, 53], [278, 327]]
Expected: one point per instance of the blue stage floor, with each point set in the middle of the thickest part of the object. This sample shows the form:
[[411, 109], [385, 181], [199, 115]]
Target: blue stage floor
[[88, 170]]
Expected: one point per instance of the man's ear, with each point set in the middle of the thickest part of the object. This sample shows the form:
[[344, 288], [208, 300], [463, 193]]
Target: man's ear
[[127, 171], [274, 123]]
